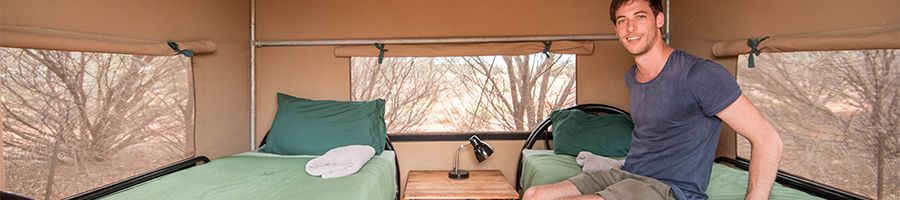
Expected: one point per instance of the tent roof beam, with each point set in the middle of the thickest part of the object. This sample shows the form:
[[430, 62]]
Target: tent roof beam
[[460, 40]]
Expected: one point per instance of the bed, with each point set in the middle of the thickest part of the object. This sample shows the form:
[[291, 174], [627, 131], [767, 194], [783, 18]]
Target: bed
[[545, 167], [728, 179], [302, 130], [255, 175]]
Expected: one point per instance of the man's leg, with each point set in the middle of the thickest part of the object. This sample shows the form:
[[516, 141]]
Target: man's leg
[[612, 184], [638, 188], [581, 186], [552, 191]]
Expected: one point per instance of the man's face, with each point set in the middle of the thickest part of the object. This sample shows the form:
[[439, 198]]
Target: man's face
[[636, 26]]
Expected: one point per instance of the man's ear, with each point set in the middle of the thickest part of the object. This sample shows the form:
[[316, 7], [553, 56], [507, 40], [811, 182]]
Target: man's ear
[[660, 20]]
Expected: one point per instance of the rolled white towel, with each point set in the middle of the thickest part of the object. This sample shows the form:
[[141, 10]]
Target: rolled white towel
[[341, 161], [593, 163]]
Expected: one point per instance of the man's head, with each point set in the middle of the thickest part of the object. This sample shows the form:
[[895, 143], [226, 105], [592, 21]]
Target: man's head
[[655, 5], [638, 24]]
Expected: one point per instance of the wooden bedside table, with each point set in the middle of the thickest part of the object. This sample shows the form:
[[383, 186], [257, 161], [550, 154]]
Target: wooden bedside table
[[481, 184]]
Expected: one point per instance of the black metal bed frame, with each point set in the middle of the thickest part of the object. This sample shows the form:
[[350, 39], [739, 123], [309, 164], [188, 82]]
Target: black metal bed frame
[[782, 177], [543, 127], [6, 195], [191, 162]]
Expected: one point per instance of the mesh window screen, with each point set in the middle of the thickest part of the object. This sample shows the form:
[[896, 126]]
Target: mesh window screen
[[457, 95], [838, 113], [74, 121]]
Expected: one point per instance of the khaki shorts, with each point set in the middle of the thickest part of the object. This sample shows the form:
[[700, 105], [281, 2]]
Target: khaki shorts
[[617, 184]]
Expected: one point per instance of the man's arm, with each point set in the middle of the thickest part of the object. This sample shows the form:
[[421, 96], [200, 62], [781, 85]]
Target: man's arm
[[764, 141]]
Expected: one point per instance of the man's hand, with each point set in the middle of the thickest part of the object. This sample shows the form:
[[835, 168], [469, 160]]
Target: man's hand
[[746, 120], [593, 163]]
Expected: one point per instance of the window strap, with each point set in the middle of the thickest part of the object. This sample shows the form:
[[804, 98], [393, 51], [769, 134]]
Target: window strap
[[174, 46], [754, 49], [381, 51], [547, 48]]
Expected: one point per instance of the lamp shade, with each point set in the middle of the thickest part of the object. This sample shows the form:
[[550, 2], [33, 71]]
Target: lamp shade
[[482, 150]]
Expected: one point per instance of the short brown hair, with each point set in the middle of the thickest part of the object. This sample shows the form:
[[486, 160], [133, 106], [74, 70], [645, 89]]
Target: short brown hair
[[655, 5]]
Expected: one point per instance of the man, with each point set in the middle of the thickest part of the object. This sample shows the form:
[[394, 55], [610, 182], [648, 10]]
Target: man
[[678, 102]]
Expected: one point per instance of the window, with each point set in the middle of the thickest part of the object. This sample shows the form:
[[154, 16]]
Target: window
[[446, 95], [838, 113], [74, 121]]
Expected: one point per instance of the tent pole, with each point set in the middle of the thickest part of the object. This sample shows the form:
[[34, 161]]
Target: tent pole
[[268, 43], [252, 75]]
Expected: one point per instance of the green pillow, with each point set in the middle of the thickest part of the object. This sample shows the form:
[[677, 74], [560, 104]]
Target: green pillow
[[606, 135], [312, 127]]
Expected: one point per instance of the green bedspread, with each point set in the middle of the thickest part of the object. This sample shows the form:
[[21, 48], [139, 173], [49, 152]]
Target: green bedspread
[[253, 175], [544, 167]]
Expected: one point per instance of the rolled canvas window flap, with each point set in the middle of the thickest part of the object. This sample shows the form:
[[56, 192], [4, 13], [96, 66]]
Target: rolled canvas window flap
[[475, 49], [880, 37], [19, 36]]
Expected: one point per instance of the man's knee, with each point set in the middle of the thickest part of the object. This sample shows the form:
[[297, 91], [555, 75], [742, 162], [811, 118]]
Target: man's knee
[[532, 193], [551, 191], [528, 194]]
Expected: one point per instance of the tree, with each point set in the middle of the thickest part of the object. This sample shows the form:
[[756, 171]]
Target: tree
[[514, 93], [410, 86], [466, 94], [852, 94], [76, 109]]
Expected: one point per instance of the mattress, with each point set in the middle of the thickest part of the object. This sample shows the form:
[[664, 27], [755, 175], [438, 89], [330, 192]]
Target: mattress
[[254, 175], [544, 167]]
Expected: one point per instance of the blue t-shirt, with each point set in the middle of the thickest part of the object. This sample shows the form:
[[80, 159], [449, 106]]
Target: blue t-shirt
[[676, 129]]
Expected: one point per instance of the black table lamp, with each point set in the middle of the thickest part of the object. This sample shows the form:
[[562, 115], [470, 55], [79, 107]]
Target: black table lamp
[[482, 151]]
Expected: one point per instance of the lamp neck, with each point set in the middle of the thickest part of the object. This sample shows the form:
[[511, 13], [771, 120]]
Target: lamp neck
[[456, 162]]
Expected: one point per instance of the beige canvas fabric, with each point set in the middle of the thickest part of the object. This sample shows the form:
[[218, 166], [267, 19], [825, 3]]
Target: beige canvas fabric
[[43, 38], [879, 37]]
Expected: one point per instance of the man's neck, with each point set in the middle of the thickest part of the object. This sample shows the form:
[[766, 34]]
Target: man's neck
[[650, 64]]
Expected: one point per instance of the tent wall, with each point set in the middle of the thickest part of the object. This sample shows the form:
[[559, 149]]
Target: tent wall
[[222, 92], [314, 72], [697, 24], [221, 78]]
